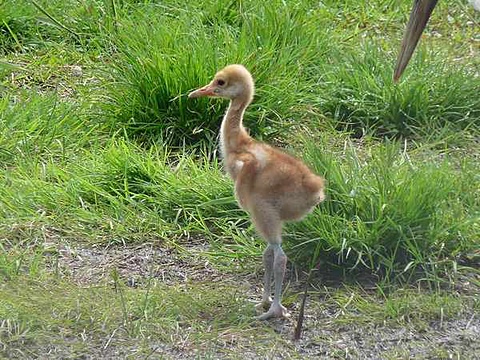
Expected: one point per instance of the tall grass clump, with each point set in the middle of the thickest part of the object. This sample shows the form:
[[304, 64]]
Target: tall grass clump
[[164, 55], [39, 127], [390, 213], [28, 26], [357, 93], [115, 192], [180, 189], [15, 29]]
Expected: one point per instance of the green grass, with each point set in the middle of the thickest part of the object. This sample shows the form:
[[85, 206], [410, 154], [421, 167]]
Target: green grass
[[190, 318], [115, 157], [149, 93], [298, 71], [119, 313], [358, 94], [390, 211]]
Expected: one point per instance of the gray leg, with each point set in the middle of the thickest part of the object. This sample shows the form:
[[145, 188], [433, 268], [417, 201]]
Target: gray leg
[[268, 261], [279, 263], [269, 226]]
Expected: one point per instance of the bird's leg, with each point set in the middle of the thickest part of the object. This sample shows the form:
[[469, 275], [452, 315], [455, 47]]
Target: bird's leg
[[268, 257], [269, 226], [279, 264]]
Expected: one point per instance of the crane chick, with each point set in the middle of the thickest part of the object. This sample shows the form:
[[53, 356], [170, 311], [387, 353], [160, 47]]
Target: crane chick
[[272, 186]]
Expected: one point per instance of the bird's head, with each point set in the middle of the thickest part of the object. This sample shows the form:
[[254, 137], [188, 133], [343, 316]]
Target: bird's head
[[233, 82]]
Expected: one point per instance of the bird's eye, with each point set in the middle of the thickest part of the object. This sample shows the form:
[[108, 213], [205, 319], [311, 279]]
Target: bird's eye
[[220, 82]]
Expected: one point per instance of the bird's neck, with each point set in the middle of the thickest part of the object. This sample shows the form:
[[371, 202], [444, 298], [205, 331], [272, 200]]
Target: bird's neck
[[233, 135]]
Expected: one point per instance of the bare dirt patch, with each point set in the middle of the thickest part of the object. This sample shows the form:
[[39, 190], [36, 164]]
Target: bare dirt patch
[[135, 264], [325, 337]]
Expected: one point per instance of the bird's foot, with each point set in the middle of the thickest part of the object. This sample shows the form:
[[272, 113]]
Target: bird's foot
[[275, 311], [263, 305]]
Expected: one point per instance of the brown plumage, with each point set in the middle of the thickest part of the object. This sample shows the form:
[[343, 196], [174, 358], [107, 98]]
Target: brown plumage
[[272, 186]]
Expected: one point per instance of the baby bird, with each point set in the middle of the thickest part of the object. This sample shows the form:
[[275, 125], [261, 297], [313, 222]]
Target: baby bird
[[272, 186]]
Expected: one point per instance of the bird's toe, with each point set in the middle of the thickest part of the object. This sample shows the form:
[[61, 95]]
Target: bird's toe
[[264, 305], [275, 311]]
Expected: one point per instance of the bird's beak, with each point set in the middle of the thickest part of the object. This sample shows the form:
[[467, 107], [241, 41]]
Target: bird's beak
[[202, 92], [421, 11]]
